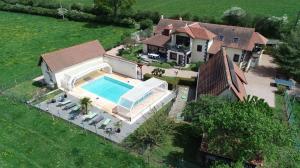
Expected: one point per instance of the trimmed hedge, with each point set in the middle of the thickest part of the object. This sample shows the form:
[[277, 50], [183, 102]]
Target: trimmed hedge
[[173, 81], [71, 14]]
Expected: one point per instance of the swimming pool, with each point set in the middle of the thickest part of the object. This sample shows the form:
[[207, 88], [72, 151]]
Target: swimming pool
[[108, 88]]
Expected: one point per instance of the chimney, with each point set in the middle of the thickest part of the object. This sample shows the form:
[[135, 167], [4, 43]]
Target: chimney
[[161, 16], [180, 18]]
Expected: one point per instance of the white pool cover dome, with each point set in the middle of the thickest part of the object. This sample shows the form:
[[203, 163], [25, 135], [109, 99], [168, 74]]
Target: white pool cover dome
[[139, 93]]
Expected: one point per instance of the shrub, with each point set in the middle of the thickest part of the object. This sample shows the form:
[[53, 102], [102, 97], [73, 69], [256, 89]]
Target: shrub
[[146, 24], [281, 90], [76, 6], [80, 16], [187, 81], [187, 16], [234, 16], [142, 15], [128, 22]]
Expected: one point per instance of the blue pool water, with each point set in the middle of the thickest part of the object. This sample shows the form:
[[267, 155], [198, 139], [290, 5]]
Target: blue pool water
[[108, 88]]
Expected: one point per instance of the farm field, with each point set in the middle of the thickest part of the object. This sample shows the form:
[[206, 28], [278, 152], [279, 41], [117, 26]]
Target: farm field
[[216, 8], [25, 37], [213, 8], [29, 138]]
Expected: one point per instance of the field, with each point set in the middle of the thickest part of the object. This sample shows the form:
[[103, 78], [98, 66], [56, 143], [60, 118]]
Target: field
[[25, 37], [29, 138], [214, 8]]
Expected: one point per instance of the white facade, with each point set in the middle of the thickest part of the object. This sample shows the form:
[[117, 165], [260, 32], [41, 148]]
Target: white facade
[[233, 51], [114, 64], [49, 77], [122, 66], [196, 55]]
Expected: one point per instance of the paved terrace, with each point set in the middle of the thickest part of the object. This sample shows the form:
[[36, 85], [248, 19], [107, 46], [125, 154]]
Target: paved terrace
[[126, 129]]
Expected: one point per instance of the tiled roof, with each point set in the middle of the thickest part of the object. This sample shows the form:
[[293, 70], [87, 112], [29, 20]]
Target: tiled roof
[[215, 47], [247, 37], [157, 40], [218, 75], [61, 59]]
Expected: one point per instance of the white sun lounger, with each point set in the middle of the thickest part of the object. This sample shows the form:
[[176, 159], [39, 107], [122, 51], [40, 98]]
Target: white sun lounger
[[76, 108], [105, 123], [90, 115], [64, 103]]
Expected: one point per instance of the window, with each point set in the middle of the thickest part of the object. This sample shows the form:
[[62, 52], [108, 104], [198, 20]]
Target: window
[[236, 40], [182, 40], [221, 37], [236, 58], [173, 56], [199, 48]]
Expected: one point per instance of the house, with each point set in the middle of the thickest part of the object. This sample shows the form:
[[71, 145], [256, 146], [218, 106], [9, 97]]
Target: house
[[63, 67], [221, 77], [187, 42]]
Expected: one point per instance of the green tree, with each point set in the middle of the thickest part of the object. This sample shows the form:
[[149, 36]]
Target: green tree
[[235, 16], [241, 130], [272, 27], [85, 104], [287, 56], [153, 132], [114, 6]]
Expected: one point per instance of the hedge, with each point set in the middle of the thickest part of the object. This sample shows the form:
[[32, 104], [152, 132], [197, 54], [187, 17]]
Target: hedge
[[173, 81], [71, 14]]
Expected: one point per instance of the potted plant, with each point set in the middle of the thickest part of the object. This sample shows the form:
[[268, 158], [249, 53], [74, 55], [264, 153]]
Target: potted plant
[[85, 103], [118, 126]]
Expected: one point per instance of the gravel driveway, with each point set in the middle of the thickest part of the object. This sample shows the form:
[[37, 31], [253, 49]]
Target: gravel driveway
[[260, 78]]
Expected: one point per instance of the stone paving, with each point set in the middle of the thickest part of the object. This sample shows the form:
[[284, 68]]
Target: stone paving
[[179, 104], [126, 128], [260, 78], [149, 69]]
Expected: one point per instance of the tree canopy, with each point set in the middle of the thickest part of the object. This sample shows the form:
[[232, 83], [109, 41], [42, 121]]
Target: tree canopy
[[113, 6], [234, 16], [287, 56], [241, 130]]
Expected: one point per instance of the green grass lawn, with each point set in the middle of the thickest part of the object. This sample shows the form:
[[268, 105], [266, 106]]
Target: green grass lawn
[[29, 138], [217, 7], [24, 38], [213, 8]]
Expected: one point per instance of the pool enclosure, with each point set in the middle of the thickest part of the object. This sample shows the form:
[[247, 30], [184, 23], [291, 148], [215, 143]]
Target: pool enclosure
[[138, 94]]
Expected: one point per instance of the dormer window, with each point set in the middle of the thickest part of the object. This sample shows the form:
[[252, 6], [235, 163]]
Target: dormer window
[[221, 37], [236, 40]]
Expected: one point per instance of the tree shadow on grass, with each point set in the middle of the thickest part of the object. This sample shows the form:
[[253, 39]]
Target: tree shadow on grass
[[93, 25], [186, 139]]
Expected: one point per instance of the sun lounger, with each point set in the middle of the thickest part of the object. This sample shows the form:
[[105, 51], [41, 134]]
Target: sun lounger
[[89, 116], [61, 98], [69, 106], [63, 103], [105, 123], [96, 120], [76, 108]]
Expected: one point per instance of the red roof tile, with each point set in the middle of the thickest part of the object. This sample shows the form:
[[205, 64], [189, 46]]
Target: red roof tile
[[216, 76], [157, 40], [215, 47], [61, 59]]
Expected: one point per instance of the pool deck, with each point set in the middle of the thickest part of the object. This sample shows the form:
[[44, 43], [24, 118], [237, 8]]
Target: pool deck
[[126, 128]]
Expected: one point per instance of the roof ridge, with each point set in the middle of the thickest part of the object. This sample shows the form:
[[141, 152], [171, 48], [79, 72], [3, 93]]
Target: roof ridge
[[76, 45]]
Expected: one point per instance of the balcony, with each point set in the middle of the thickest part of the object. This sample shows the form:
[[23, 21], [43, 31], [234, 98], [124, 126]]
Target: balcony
[[179, 48]]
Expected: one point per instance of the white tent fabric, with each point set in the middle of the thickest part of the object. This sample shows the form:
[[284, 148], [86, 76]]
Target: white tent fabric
[[135, 95]]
